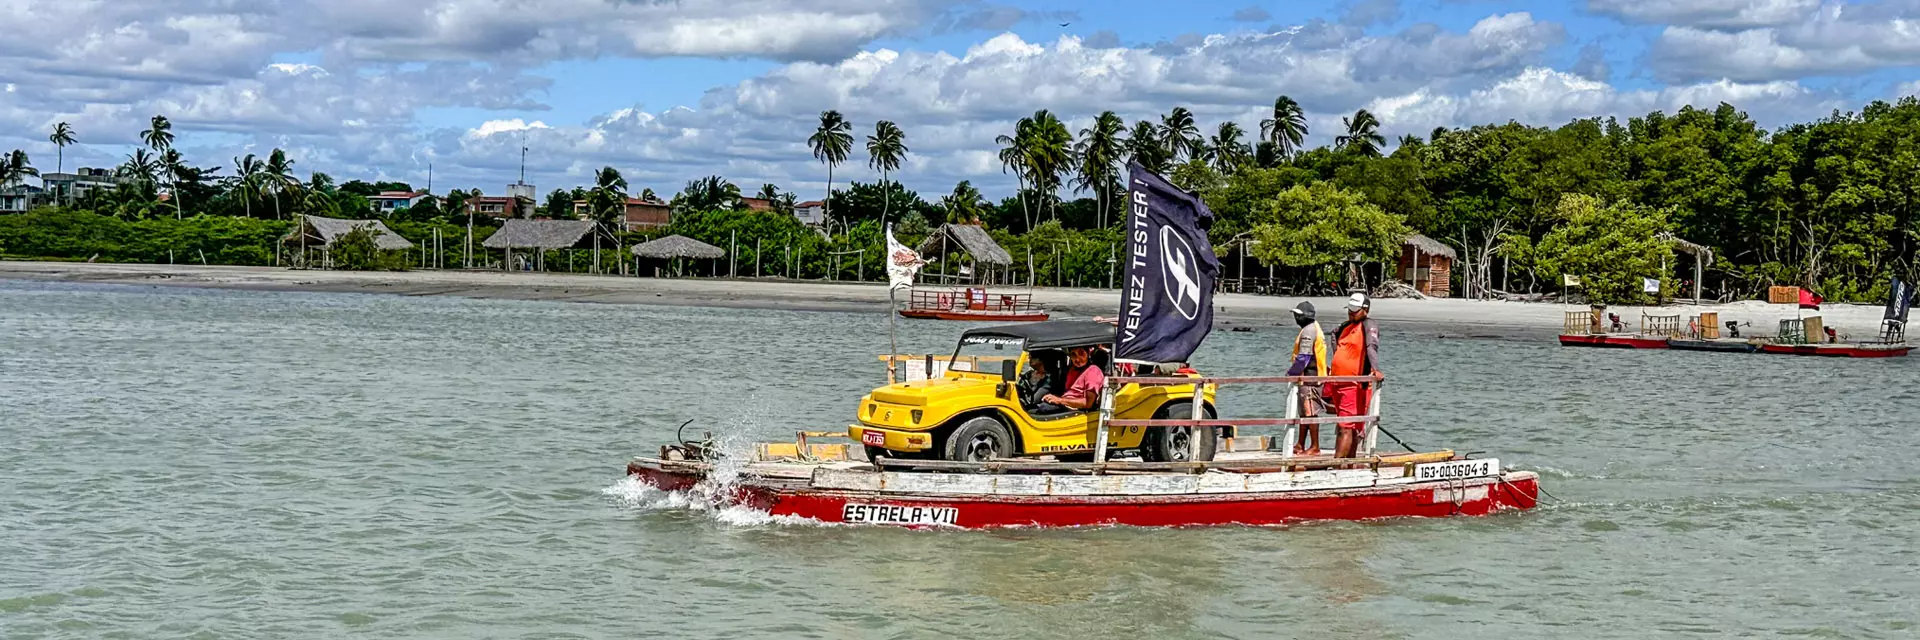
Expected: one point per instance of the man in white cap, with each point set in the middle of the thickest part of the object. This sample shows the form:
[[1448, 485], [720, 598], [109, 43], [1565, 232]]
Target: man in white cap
[[1356, 352]]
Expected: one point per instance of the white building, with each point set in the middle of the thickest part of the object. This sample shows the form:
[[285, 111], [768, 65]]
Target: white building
[[67, 187], [811, 212]]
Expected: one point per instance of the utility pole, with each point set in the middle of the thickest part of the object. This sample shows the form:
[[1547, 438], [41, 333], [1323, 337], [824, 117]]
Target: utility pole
[[429, 177]]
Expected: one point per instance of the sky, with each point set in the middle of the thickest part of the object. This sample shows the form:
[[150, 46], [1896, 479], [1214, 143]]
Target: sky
[[668, 91]]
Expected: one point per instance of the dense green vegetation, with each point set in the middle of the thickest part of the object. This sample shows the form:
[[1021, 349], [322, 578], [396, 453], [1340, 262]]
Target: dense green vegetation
[[1832, 204]]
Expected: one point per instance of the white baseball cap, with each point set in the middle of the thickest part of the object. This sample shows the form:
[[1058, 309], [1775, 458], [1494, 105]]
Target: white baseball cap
[[1358, 301]]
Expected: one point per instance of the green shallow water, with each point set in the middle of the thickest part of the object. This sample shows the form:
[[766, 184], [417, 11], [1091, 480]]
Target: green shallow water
[[190, 463]]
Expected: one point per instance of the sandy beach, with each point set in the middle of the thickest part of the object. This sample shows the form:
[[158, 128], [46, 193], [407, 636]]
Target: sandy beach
[[1446, 316]]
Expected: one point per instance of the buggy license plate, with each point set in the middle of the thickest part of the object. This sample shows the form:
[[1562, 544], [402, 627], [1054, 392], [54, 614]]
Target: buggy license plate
[[874, 438], [1456, 470], [894, 514]]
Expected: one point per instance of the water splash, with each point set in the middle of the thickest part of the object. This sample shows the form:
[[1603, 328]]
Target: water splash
[[716, 497]]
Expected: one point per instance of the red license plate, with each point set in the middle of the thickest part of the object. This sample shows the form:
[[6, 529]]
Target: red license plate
[[874, 438]]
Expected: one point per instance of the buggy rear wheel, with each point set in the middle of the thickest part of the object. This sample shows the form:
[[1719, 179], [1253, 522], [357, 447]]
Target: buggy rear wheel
[[1179, 444]]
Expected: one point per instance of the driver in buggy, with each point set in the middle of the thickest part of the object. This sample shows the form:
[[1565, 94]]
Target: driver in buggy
[[1037, 383]]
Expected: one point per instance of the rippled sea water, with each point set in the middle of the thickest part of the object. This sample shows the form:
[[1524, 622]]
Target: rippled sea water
[[189, 463]]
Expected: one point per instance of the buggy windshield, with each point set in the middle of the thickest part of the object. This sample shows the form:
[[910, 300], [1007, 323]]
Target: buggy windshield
[[984, 353]]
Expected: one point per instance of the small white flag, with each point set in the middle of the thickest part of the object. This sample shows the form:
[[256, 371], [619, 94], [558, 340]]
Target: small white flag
[[1650, 285], [902, 263], [1571, 280]]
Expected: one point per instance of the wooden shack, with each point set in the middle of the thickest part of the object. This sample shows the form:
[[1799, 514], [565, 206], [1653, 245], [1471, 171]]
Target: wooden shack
[[1427, 265]]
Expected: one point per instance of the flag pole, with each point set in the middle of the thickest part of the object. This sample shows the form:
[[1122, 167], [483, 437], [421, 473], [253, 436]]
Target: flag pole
[[893, 343]]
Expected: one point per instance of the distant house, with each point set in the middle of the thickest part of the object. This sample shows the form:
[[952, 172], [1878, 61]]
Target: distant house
[[811, 212], [502, 207], [390, 201], [642, 214], [81, 183], [18, 197], [639, 214], [757, 204]]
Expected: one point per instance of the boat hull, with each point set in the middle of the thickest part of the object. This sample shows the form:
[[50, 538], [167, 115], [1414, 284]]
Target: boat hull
[[1838, 350], [1728, 346], [1613, 342], [1513, 490], [931, 314]]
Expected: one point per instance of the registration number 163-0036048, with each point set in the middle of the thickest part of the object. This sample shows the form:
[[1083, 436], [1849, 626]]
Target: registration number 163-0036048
[[1456, 470], [902, 515]]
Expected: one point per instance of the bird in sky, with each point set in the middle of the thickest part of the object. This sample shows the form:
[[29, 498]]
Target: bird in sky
[[1065, 24]]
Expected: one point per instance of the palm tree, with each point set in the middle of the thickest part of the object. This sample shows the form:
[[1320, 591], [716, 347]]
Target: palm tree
[[885, 149], [608, 199], [140, 166], [175, 168], [1144, 147], [768, 192], [159, 134], [964, 204], [14, 166], [246, 180], [1050, 158], [1437, 133], [1013, 158], [1363, 134], [277, 175], [712, 193], [62, 136], [1180, 135], [831, 143], [786, 203], [1099, 153], [1226, 151], [1286, 128], [646, 194], [1410, 140]]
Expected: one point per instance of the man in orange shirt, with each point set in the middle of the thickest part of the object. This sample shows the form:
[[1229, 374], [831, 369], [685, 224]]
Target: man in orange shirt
[[1356, 352]]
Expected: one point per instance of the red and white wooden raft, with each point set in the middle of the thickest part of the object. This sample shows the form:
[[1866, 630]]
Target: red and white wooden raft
[[1246, 483]]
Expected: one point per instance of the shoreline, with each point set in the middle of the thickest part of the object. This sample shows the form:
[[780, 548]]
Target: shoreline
[[1231, 309]]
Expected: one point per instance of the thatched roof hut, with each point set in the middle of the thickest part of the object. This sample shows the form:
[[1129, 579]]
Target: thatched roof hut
[[970, 237], [319, 233], [1426, 264], [677, 246], [521, 233], [1429, 246]]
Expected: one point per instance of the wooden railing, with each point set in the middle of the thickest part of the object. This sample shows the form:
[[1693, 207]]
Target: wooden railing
[[971, 299], [1293, 420]]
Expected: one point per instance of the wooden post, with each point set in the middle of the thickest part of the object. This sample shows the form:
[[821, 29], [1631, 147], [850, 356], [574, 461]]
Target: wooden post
[[1293, 430], [1696, 278], [1100, 426], [1373, 409], [756, 257], [1199, 413], [733, 247]]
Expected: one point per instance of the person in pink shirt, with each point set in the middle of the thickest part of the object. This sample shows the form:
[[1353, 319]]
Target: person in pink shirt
[[1084, 382]]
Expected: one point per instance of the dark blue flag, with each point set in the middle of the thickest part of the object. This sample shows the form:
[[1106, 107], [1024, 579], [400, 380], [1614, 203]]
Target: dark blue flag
[[1166, 301], [1899, 299]]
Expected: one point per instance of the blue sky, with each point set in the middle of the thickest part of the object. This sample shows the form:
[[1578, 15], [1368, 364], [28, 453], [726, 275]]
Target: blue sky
[[671, 91]]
